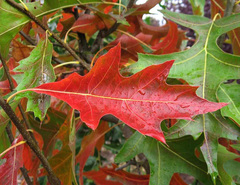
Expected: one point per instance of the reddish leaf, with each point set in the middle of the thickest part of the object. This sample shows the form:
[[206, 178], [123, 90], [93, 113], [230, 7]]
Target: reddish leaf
[[121, 177], [142, 101], [100, 178], [9, 170], [137, 25], [107, 8], [30, 160], [147, 6], [65, 23], [88, 144], [65, 17], [177, 180], [20, 51], [169, 43], [88, 24], [217, 6], [130, 46]]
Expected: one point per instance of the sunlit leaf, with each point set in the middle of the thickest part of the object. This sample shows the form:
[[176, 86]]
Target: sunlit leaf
[[142, 101]]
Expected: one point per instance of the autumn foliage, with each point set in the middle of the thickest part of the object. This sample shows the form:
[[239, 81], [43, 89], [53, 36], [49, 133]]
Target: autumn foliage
[[93, 93]]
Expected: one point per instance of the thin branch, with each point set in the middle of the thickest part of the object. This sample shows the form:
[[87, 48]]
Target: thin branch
[[130, 4], [34, 18], [102, 34], [31, 41], [82, 42], [35, 148], [227, 12]]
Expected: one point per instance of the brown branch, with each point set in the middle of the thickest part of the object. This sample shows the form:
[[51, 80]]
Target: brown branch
[[32, 144], [82, 43], [130, 4], [44, 27], [31, 41]]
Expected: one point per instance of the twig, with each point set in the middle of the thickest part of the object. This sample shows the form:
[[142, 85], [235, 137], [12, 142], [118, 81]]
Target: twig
[[102, 34], [34, 18], [28, 38], [35, 148], [130, 4], [227, 12], [82, 43], [131, 162], [23, 169]]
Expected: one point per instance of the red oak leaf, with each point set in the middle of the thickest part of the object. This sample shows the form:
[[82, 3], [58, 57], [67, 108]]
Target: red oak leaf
[[169, 43], [14, 160], [89, 142], [88, 24], [130, 46], [121, 177], [177, 180], [142, 101]]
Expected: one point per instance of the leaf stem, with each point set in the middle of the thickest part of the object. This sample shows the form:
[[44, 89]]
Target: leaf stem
[[44, 27], [18, 92], [66, 63], [11, 147]]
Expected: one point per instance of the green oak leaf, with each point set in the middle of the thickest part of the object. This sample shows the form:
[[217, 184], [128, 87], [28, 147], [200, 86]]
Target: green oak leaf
[[206, 66], [12, 20], [232, 167], [164, 161], [4, 142], [213, 126], [229, 93], [37, 70], [223, 156]]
